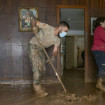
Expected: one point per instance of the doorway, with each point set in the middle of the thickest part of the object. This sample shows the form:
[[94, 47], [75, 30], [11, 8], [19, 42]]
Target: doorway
[[73, 46]]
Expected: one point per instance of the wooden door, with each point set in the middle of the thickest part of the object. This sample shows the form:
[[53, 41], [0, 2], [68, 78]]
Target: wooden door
[[87, 79]]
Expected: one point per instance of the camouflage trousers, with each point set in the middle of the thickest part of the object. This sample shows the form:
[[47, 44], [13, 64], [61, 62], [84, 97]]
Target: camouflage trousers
[[37, 60]]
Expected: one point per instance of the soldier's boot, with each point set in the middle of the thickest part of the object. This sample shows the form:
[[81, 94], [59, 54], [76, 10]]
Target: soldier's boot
[[99, 85], [40, 91]]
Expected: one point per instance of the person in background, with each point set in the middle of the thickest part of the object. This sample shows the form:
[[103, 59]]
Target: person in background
[[83, 57], [98, 49]]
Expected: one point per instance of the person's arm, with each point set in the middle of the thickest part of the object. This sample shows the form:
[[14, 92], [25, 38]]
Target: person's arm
[[55, 50], [39, 24], [42, 25], [33, 23], [101, 34], [56, 47], [34, 26]]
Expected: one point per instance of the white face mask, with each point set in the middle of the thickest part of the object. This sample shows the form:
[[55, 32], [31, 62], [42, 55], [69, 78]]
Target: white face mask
[[63, 34]]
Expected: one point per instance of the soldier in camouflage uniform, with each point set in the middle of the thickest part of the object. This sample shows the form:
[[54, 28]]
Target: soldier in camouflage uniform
[[48, 36]]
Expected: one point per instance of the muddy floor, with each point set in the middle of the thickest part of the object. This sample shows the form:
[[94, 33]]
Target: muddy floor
[[79, 93]]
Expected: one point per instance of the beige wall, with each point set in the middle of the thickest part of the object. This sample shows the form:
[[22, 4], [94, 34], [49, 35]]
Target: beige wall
[[74, 48]]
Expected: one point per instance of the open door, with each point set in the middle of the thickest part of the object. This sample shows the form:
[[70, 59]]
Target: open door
[[70, 56]]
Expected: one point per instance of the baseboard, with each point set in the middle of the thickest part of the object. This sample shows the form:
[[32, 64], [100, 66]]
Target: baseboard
[[20, 81]]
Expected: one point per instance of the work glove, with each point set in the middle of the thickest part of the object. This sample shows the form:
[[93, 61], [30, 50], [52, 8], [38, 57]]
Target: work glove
[[52, 59], [33, 22], [35, 29], [34, 26]]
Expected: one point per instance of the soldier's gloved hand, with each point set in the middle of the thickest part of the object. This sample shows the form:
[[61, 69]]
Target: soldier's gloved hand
[[52, 59], [35, 29], [33, 22]]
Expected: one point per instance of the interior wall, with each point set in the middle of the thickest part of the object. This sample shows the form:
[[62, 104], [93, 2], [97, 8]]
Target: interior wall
[[69, 53], [74, 47], [80, 49], [14, 61], [96, 8]]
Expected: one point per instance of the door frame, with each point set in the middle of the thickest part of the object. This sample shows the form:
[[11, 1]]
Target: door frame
[[85, 36]]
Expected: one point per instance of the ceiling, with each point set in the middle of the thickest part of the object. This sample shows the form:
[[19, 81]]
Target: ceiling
[[74, 17]]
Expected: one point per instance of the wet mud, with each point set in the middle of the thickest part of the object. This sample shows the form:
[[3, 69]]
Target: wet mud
[[79, 93], [73, 98]]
